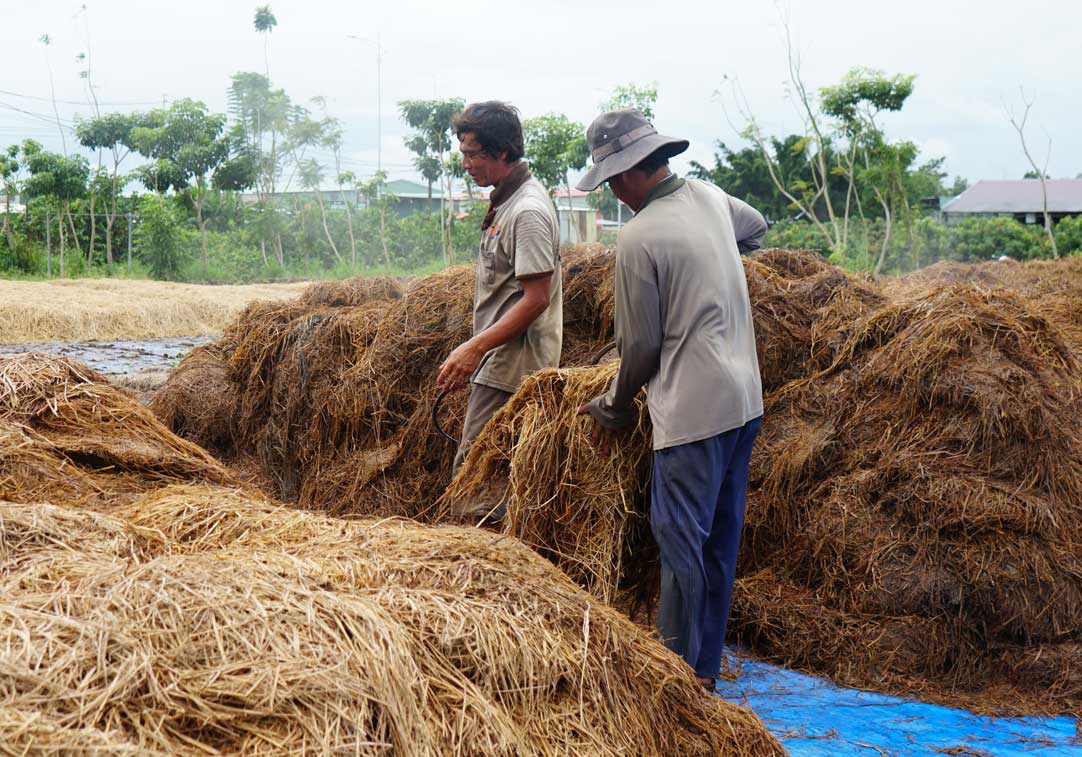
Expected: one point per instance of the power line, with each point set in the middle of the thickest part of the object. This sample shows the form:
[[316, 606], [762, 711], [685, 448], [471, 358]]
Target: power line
[[39, 116], [76, 102]]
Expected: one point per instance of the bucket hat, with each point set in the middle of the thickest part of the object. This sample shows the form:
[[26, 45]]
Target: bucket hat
[[620, 139]]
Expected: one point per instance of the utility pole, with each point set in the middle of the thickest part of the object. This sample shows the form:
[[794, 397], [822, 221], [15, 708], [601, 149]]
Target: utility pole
[[48, 245], [379, 96]]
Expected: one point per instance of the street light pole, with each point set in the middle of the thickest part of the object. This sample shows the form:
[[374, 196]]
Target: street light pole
[[379, 95]]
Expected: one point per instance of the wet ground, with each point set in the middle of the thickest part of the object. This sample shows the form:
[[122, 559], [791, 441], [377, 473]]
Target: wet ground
[[118, 357]]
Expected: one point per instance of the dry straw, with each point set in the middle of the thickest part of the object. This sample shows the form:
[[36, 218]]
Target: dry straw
[[165, 613], [914, 517], [70, 310]]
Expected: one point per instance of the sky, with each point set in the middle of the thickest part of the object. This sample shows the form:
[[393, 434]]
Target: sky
[[972, 61]]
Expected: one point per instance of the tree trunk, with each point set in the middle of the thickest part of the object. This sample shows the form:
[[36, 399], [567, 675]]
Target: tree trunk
[[61, 224], [110, 222], [1047, 217], [278, 251], [383, 236], [571, 230], [74, 233], [109, 240], [93, 230], [202, 234], [886, 234], [326, 230], [352, 239]]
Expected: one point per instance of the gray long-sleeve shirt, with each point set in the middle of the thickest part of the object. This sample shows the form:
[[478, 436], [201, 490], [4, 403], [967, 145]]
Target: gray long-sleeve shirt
[[683, 317]]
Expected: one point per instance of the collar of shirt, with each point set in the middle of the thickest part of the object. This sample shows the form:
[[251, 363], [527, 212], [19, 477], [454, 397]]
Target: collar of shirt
[[666, 186]]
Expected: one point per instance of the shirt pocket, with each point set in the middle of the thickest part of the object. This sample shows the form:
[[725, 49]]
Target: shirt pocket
[[488, 266]]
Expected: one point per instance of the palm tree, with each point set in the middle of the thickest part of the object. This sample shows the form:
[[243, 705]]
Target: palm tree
[[264, 24]]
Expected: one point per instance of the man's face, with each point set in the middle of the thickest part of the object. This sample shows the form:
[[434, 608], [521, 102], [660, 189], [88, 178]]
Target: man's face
[[618, 185], [483, 168]]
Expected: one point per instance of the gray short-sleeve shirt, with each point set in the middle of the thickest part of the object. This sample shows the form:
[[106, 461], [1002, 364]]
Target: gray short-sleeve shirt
[[523, 241]]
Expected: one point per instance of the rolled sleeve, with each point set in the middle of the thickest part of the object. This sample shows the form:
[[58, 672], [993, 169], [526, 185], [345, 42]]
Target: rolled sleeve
[[749, 226], [638, 340], [535, 250]]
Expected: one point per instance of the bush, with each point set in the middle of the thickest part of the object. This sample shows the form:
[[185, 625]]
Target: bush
[[1069, 236], [163, 244], [976, 240], [795, 235]]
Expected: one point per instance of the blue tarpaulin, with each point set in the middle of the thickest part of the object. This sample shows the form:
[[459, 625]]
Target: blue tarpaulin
[[814, 718]]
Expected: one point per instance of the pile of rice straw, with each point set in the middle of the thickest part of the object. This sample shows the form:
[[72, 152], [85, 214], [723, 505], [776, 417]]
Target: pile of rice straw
[[913, 520], [172, 616]]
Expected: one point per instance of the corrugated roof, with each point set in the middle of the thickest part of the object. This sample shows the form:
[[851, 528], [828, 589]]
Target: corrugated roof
[[1019, 196]]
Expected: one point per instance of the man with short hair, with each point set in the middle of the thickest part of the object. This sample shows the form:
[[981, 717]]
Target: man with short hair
[[684, 328], [518, 296]]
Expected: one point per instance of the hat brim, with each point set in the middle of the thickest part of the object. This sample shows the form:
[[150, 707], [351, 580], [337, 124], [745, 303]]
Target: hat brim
[[618, 162]]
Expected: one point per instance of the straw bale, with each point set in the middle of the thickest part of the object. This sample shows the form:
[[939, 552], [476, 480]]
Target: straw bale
[[348, 292], [100, 443], [267, 630], [197, 400], [535, 459]]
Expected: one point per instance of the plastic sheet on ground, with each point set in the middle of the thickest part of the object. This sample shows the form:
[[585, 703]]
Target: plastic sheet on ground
[[813, 717]]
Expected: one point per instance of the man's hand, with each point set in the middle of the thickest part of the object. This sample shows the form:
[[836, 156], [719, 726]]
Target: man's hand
[[601, 437], [456, 370]]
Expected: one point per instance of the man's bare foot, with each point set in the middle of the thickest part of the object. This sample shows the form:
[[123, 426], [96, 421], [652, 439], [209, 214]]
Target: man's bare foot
[[706, 683]]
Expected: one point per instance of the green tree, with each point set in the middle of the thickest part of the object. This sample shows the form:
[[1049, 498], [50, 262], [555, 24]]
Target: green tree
[[1069, 235], [111, 132], [745, 173], [855, 104], [976, 240], [189, 148], [430, 140], [555, 146], [261, 116], [264, 23], [377, 197], [57, 176], [159, 237], [10, 168]]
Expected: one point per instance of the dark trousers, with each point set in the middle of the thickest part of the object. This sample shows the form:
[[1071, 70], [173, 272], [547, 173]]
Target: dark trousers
[[483, 403], [698, 494]]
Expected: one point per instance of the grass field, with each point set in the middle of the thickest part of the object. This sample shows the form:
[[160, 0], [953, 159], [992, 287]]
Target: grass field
[[92, 309]]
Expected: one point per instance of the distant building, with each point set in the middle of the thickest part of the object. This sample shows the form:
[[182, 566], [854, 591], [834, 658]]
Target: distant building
[[578, 223], [1020, 199], [333, 199], [409, 197]]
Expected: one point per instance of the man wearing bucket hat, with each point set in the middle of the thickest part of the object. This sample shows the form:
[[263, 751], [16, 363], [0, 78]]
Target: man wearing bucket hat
[[683, 328], [518, 293]]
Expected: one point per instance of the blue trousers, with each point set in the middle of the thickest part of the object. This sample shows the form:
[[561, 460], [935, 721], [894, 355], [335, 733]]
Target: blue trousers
[[698, 494]]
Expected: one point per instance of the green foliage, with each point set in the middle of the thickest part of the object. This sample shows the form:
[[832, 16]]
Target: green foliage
[[976, 240], [796, 235], [431, 137], [1069, 235], [745, 173], [160, 239], [555, 145], [109, 132], [186, 143], [54, 175], [863, 93], [631, 95], [264, 20]]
